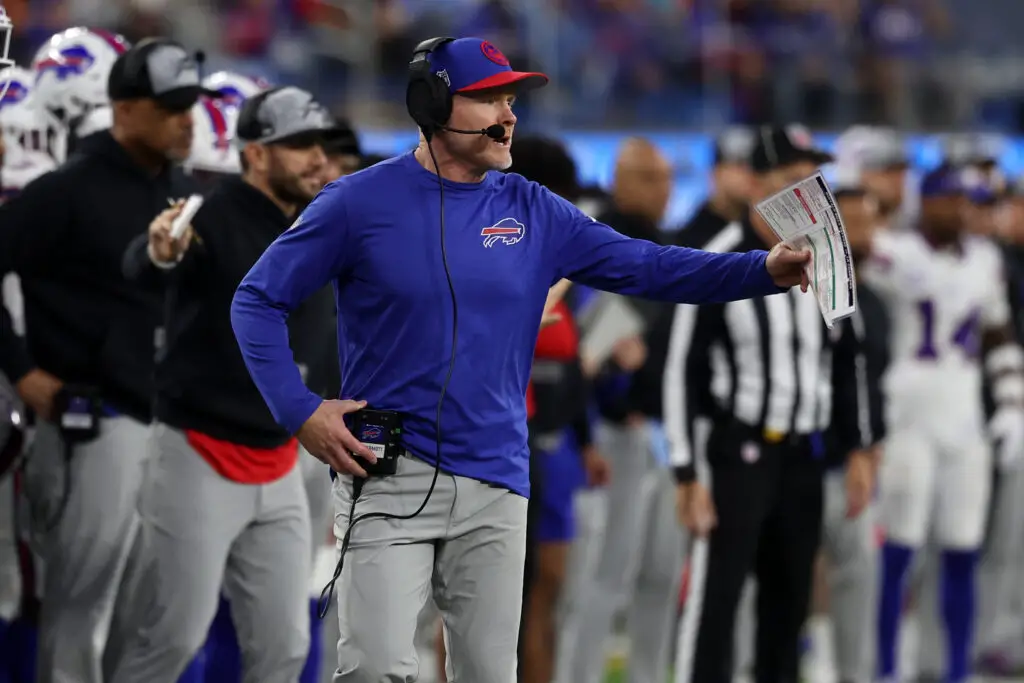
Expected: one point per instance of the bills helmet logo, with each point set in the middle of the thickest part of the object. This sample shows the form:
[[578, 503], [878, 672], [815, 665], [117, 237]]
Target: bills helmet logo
[[371, 432], [16, 92], [231, 96], [71, 61], [506, 231], [219, 124]]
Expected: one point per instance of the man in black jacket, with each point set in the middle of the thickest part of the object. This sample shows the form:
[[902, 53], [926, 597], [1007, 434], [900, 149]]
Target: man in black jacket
[[245, 520], [731, 182], [85, 367]]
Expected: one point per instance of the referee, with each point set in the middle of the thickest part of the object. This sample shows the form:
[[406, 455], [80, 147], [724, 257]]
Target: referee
[[746, 392], [441, 269]]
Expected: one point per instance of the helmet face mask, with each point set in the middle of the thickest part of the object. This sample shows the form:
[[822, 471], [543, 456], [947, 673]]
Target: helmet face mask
[[6, 29]]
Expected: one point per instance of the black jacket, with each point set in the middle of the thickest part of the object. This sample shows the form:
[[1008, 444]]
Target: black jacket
[[202, 382], [643, 394], [868, 329], [65, 236]]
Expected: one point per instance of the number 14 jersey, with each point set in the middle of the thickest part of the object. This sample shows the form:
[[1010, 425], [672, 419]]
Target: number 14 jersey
[[940, 301]]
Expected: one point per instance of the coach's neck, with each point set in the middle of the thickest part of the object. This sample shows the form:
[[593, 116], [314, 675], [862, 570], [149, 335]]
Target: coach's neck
[[451, 168]]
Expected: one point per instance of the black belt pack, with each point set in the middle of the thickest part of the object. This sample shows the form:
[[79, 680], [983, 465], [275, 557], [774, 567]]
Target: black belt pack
[[381, 432], [78, 413]]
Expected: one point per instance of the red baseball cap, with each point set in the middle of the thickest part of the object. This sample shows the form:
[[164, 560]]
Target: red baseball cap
[[473, 64]]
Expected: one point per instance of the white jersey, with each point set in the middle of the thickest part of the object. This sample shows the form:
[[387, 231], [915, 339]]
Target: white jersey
[[939, 303]]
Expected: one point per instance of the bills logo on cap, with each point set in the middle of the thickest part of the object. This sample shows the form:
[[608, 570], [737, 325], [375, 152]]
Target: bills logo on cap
[[506, 231], [494, 54], [74, 60]]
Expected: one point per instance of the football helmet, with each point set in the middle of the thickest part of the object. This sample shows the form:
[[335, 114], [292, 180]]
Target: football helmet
[[233, 87], [71, 71], [30, 143], [213, 131]]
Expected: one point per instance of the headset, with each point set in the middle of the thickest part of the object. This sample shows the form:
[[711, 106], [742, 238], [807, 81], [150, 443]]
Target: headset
[[430, 105]]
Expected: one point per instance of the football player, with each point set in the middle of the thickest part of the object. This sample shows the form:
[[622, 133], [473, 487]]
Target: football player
[[950, 323]]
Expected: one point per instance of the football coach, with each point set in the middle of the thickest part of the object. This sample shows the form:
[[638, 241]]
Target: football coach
[[441, 267]]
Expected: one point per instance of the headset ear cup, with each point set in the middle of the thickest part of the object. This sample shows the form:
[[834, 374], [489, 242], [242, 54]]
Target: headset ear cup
[[441, 101], [418, 101]]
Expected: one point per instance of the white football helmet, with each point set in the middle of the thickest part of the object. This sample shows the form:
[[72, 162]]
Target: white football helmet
[[213, 131], [29, 142], [71, 71], [233, 87]]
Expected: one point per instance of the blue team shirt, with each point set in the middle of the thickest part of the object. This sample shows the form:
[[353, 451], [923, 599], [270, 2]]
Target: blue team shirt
[[376, 235]]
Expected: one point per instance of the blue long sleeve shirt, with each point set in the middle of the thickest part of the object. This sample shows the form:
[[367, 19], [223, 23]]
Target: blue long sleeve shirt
[[376, 236]]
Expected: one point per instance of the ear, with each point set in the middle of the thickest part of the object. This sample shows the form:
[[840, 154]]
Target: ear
[[255, 156]]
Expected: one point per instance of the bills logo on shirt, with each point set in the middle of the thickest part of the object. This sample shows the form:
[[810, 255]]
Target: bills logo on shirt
[[506, 231]]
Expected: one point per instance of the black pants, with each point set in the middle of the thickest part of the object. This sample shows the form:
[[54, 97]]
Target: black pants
[[769, 503]]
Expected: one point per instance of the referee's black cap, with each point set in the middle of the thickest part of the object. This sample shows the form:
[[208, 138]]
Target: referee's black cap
[[780, 146]]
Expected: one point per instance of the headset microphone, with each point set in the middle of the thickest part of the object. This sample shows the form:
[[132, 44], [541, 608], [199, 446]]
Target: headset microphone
[[495, 132]]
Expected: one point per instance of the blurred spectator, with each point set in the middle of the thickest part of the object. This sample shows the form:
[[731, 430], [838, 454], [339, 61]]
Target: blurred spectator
[[896, 37]]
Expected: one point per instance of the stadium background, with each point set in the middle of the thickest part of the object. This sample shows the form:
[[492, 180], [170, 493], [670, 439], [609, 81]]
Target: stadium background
[[675, 71]]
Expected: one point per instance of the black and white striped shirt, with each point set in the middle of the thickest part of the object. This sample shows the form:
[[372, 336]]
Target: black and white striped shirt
[[766, 363]]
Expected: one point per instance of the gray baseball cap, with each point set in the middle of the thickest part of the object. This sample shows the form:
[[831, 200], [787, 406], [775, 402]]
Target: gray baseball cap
[[157, 69], [871, 148], [884, 150], [284, 114]]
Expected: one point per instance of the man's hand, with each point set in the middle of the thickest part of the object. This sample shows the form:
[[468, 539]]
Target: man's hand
[[630, 353], [162, 248], [695, 508], [597, 468], [38, 389], [549, 319], [1006, 429], [787, 266], [555, 294], [860, 482], [325, 435]]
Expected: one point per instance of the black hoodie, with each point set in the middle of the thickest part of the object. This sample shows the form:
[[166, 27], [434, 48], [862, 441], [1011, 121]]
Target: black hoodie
[[65, 236], [202, 381]]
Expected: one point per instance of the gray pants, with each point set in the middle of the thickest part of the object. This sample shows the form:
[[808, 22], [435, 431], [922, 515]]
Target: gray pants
[[316, 478], [84, 539], [1001, 572], [639, 566], [467, 547], [853, 578], [200, 530]]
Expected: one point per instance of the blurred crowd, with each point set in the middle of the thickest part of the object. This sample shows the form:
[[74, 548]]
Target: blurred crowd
[[910, 63]]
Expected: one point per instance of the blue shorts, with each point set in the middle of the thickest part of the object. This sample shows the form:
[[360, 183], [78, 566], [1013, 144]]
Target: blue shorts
[[562, 474]]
